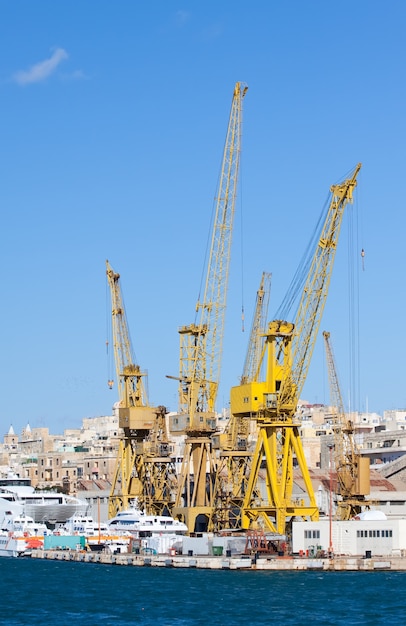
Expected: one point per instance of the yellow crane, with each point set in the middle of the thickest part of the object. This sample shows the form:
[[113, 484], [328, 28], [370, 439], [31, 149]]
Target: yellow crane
[[201, 345], [352, 469], [273, 401], [135, 416], [235, 456]]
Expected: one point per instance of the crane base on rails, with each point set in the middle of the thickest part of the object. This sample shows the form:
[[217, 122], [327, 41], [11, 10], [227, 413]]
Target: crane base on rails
[[126, 484], [159, 484], [194, 496], [279, 448], [233, 472]]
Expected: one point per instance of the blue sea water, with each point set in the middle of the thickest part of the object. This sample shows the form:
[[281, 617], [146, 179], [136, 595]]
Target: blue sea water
[[51, 592]]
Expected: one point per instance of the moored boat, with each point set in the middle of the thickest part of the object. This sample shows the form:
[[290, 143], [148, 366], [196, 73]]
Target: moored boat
[[156, 533], [98, 535], [20, 535]]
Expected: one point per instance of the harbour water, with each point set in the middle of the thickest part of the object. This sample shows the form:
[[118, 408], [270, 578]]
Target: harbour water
[[50, 592]]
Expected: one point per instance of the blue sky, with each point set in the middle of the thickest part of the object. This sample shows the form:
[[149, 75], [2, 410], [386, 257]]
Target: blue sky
[[112, 126]]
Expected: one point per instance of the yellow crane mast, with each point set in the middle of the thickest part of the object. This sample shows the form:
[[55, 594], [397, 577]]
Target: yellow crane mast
[[256, 341], [272, 402], [135, 416], [352, 469], [201, 345], [235, 457]]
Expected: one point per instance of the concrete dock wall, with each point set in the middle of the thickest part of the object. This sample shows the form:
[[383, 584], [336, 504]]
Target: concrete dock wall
[[233, 563]]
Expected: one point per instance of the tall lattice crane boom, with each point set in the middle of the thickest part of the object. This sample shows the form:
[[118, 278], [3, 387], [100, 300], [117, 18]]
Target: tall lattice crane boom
[[256, 340], [314, 293], [201, 343], [131, 388], [352, 469]]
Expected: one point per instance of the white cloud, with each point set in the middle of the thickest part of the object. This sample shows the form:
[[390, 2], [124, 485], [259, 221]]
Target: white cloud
[[40, 71]]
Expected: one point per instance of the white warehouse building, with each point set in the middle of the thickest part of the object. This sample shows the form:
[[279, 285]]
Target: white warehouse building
[[357, 537]]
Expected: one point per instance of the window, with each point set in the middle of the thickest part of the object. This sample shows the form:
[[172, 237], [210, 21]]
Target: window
[[312, 534]]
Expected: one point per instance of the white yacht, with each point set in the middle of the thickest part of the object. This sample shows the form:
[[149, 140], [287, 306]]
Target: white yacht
[[25, 525], [85, 525], [136, 521], [97, 533], [155, 533], [18, 495], [20, 535]]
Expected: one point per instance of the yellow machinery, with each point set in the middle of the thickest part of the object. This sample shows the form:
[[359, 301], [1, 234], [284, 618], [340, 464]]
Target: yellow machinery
[[141, 469], [272, 402], [352, 469], [159, 476], [201, 346], [235, 456]]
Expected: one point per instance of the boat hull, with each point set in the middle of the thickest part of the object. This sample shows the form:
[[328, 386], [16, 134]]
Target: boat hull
[[15, 546], [57, 512]]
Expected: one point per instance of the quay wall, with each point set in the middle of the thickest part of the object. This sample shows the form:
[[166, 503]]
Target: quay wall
[[341, 563]]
